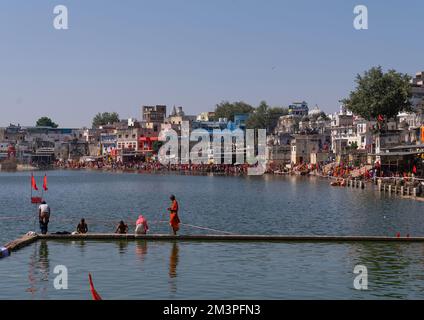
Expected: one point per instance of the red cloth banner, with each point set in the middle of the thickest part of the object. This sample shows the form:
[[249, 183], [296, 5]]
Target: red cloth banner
[[33, 183], [94, 293], [45, 183]]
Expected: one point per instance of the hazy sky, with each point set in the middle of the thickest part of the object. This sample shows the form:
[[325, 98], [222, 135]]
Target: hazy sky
[[119, 55]]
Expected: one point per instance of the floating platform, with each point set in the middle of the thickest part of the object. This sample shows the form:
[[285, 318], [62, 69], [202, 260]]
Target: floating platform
[[230, 238], [27, 240], [20, 243]]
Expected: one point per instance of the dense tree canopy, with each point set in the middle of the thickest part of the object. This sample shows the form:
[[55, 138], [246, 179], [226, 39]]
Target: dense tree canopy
[[265, 117], [228, 110], [104, 118], [378, 93], [262, 117], [46, 122]]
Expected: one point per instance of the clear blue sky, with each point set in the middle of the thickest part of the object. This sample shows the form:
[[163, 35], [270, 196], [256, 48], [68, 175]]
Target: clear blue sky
[[119, 55]]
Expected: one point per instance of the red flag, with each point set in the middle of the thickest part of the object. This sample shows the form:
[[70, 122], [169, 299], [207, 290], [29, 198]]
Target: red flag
[[94, 293], [33, 183], [414, 170], [380, 118], [45, 183]]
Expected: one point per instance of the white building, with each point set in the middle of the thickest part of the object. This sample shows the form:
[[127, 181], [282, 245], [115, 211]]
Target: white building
[[343, 130]]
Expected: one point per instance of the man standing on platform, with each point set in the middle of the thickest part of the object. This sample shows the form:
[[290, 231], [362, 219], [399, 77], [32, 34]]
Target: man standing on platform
[[44, 216], [174, 220]]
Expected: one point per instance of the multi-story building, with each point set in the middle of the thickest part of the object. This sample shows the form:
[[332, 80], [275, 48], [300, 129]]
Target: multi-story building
[[290, 123], [278, 150], [176, 119], [5, 148], [108, 143], [206, 116], [239, 122], [299, 109], [417, 90], [343, 131], [315, 122], [154, 116], [12, 134], [303, 145], [412, 119], [127, 139], [365, 134]]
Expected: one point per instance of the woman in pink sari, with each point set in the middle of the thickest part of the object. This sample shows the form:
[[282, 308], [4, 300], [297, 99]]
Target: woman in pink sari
[[141, 225]]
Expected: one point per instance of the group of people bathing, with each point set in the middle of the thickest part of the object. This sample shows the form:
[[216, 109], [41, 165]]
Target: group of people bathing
[[122, 228]]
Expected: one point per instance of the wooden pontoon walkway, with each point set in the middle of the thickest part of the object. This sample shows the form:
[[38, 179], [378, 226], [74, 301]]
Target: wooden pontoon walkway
[[27, 240], [230, 238]]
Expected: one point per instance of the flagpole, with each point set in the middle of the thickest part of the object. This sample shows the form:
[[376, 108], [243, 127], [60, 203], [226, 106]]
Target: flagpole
[[42, 189], [35, 217]]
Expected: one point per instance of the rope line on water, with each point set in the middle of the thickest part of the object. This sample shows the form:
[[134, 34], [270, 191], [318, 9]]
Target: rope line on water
[[197, 227], [204, 228]]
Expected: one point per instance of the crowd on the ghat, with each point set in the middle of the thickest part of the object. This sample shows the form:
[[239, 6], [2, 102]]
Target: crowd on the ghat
[[225, 169], [341, 170], [326, 169]]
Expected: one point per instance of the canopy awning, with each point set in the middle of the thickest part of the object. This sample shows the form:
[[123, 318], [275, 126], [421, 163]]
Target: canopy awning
[[149, 138]]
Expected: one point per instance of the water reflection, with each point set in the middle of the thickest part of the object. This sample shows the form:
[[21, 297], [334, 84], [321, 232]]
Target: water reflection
[[141, 250], [39, 268], [173, 260], [122, 246], [43, 260], [395, 270], [81, 244], [389, 267], [173, 263]]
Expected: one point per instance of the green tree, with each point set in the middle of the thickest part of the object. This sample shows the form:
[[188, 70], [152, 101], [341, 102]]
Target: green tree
[[227, 110], [104, 118], [46, 122], [265, 117], [156, 146], [378, 93], [353, 146]]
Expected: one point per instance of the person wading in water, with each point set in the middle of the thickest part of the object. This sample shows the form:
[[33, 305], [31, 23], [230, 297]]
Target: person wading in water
[[174, 220]]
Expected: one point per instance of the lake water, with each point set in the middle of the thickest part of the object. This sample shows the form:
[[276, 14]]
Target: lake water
[[241, 205]]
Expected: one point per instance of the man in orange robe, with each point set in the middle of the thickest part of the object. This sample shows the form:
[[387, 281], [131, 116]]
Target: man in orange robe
[[174, 220]]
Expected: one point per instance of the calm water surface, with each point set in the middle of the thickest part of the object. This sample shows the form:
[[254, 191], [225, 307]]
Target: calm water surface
[[260, 205]]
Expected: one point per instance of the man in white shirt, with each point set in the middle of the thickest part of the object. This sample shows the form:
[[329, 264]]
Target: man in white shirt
[[44, 216]]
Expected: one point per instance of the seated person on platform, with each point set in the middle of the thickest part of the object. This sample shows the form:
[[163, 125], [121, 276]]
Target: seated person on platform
[[122, 228], [82, 227], [141, 226]]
